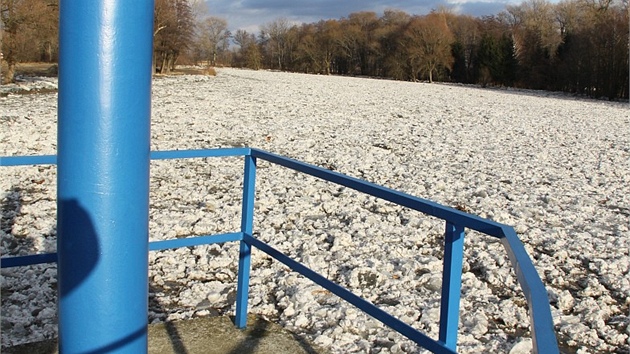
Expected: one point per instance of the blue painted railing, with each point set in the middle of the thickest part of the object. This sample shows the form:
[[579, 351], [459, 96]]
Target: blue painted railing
[[544, 339]]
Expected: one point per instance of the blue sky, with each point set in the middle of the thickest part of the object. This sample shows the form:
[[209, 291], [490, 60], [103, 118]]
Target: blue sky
[[250, 14]]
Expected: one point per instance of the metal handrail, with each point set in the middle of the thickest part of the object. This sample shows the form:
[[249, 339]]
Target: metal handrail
[[543, 334]]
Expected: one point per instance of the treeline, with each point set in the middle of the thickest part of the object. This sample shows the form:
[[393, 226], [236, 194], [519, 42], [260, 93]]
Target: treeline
[[182, 31], [30, 30], [577, 46]]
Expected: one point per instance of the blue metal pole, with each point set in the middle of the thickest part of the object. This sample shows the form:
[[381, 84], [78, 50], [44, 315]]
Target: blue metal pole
[[451, 284], [103, 174], [247, 226]]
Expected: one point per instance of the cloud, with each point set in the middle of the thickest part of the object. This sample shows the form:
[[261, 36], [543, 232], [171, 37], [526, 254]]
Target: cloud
[[251, 14], [477, 8]]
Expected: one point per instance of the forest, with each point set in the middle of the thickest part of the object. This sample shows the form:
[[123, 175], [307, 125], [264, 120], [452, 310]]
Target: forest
[[575, 46]]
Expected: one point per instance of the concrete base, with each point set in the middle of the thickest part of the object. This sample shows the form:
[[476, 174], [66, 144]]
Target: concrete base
[[206, 335]]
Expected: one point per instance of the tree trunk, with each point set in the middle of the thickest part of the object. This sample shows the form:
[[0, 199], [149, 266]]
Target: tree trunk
[[164, 67], [327, 62], [49, 55], [172, 60], [7, 78]]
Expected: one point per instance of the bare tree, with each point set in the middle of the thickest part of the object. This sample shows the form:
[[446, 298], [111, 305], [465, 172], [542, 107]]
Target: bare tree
[[428, 45], [249, 54], [173, 31], [275, 36], [467, 35], [212, 38], [198, 9], [536, 37], [30, 31], [328, 33], [358, 43], [391, 55]]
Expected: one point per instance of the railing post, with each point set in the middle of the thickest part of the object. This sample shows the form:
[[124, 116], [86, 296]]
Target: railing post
[[103, 175], [247, 225], [451, 284]]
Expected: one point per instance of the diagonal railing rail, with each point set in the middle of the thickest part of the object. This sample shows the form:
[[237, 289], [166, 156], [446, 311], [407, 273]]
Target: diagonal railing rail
[[543, 335]]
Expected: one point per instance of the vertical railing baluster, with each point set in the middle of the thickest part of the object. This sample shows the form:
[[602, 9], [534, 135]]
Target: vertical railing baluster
[[247, 226], [451, 284]]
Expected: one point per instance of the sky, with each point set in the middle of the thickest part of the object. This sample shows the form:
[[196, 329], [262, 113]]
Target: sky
[[251, 14]]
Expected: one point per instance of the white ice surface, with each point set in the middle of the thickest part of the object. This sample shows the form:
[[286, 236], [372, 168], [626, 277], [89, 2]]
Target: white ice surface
[[555, 167]]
